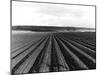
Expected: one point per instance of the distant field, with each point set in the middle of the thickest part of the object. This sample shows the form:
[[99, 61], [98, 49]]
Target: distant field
[[20, 38], [35, 52]]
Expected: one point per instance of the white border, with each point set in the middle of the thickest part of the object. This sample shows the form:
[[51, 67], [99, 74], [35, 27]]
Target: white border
[[5, 37]]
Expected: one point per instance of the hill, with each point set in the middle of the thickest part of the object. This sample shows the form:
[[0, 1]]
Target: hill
[[49, 28]]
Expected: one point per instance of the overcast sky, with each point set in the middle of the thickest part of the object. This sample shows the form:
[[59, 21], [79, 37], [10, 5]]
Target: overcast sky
[[42, 14]]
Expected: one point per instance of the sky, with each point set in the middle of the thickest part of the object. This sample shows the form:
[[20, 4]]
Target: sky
[[43, 14]]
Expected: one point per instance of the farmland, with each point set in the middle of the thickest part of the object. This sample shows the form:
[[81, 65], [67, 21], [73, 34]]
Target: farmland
[[53, 52]]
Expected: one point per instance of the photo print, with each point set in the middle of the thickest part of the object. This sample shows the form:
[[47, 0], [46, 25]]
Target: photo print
[[52, 37]]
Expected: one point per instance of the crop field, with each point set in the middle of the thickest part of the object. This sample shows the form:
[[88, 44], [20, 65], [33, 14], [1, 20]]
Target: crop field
[[53, 52], [20, 38]]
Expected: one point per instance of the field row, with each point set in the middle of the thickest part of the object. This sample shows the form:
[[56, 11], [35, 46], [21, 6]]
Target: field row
[[54, 52]]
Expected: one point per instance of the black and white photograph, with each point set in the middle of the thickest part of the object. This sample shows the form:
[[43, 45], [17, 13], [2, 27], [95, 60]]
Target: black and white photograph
[[52, 37]]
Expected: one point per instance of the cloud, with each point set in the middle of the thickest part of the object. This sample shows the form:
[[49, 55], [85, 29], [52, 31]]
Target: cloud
[[60, 10], [24, 13]]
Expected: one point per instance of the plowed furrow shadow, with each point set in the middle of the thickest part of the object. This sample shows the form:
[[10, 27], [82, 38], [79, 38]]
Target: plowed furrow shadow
[[73, 61], [81, 47], [54, 59], [81, 40], [31, 60], [25, 45], [25, 53], [36, 66], [87, 59], [19, 62], [45, 65], [63, 66], [17, 53], [86, 45]]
